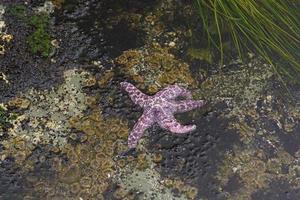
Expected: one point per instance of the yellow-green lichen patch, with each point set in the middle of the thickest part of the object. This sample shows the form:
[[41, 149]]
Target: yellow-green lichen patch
[[154, 68], [2, 22], [48, 111], [141, 175], [5, 38], [47, 8], [4, 78], [5, 118], [148, 182]]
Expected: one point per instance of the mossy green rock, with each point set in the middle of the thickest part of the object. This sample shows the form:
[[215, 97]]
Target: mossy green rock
[[40, 41]]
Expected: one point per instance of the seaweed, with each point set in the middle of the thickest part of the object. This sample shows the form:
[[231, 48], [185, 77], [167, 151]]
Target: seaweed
[[39, 40]]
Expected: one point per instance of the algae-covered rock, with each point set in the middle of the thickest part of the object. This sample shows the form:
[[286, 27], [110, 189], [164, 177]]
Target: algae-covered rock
[[155, 67]]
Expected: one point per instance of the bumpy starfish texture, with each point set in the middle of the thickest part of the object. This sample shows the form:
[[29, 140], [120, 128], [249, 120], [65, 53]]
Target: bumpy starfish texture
[[160, 108]]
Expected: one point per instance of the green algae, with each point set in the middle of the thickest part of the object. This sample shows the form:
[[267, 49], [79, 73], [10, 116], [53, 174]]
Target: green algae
[[200, 54], [18, 11], [40, 40]]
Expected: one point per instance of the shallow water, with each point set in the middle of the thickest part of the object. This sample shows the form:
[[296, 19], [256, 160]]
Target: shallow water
[[64, 119]]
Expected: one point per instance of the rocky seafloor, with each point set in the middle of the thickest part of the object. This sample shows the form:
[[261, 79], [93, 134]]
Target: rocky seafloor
[[64, 120]]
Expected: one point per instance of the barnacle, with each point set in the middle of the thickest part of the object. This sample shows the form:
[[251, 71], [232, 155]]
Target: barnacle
[[157, 158], [121, 163], [73, 136], [86, 182], [102, 187], [75, 188], [71, 174], [91, 101], [168, 183], [191, 192], [120, 193], [106, 77], [142, 162], [107, 163], [90, 81], [179, 185], [85, 194]]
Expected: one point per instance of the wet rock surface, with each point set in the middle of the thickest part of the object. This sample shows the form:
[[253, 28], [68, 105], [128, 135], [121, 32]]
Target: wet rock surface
[[64, 121]]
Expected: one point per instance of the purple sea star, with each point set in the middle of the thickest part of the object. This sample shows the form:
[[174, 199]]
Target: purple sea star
[[160, 108]]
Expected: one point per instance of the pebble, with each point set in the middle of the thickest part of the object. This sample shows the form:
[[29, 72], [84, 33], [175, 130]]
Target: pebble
[[172, 44]]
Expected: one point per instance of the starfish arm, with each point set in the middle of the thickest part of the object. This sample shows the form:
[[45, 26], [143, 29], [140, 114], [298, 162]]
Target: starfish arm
[[173, 91], [187, 105], [144, 122], [135, 94], [169, 122]]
